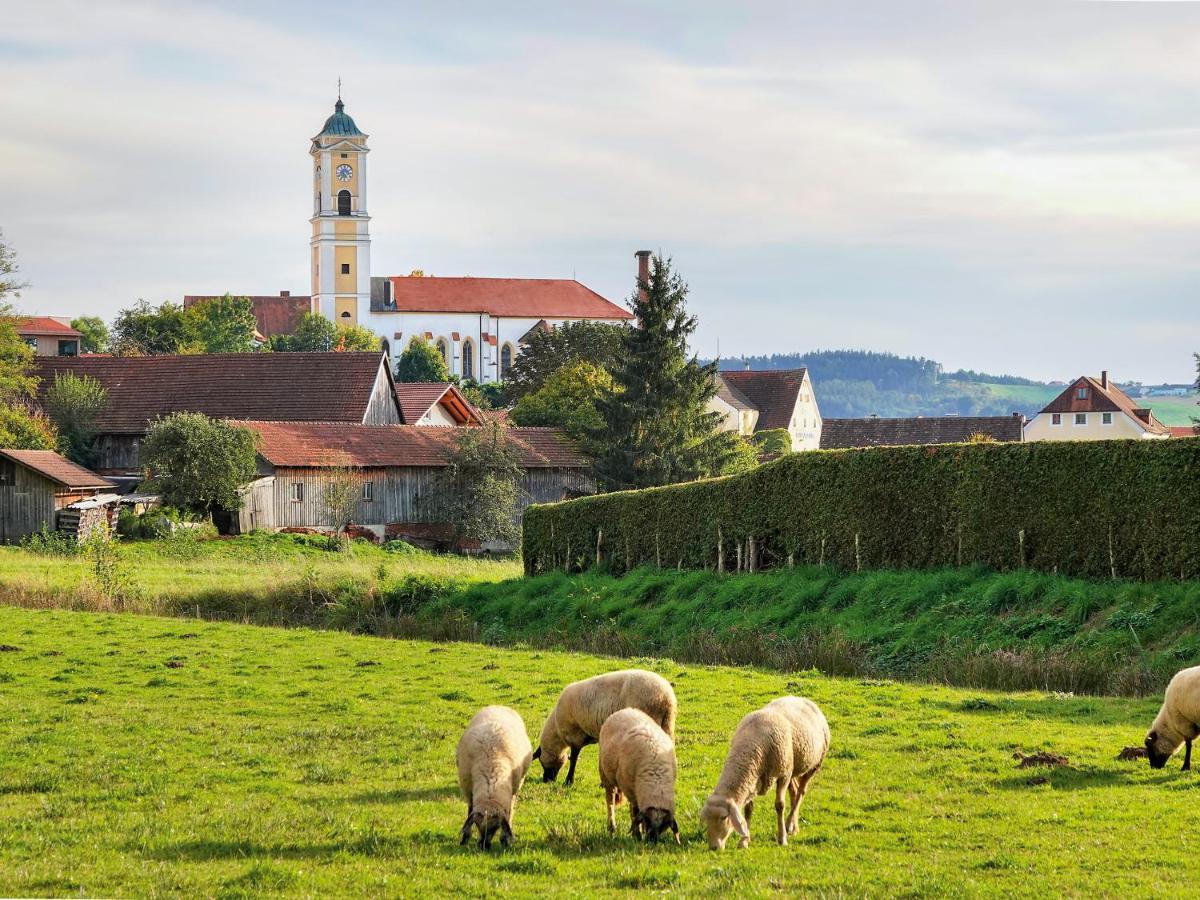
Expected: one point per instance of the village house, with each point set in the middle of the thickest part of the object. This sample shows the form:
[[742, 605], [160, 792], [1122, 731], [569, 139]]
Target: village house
[[40, 490], [50, 335], [435, 403], [873, 431], [348, 388], [1094, 409], [396, 471], [751, 401]]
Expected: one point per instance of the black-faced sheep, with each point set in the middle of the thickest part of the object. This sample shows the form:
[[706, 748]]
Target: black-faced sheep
[[783, 744], [493, 756], [637, 760], [583, 707], [1178, 722]]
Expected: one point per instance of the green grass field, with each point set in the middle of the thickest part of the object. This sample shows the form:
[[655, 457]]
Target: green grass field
[[1174, 410], [149, 756]]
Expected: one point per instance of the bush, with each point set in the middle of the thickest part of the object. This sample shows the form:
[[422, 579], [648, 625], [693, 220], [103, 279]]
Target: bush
[[51, 543], [1079, 508]]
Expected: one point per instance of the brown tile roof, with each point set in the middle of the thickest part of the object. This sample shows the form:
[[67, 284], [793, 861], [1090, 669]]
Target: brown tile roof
[[731, 395], [273, 314], [304, 387], [35, 325], [838, 434], [554, 298], [315, 444], [1101, 398], [417, 397], [57, 468], [1184, 430], [773, 393]]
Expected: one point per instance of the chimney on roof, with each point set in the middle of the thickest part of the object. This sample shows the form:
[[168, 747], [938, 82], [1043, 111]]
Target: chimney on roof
[[643, 258], [1104, 379], [285, 293]]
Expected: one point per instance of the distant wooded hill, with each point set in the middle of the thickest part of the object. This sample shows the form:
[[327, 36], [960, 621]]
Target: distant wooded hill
[[853, 383]]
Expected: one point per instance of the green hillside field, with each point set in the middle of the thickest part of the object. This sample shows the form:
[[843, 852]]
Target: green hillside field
[[145, 756]]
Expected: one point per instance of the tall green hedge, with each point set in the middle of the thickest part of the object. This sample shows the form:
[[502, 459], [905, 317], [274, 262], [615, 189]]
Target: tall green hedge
[[1093, 509]]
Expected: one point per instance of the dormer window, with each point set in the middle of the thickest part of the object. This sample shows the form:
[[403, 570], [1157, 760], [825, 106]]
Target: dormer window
[[1081, 393]]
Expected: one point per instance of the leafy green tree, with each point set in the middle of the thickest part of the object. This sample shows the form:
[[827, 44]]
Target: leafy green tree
[[10, 283], [313, 334], [481, 486], [355, 338], [95, 334], [17, 382], [197, 463], [145, 330], [222, 324], [568, 400], [772, 440], [74, 404], [22, 428], [655, 428], [421, 361], [545, 352], [484, 396]]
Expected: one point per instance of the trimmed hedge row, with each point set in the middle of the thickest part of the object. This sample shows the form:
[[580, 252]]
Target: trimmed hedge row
[[1092, 509]]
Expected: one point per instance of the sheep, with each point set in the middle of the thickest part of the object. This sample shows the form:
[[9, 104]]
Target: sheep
[[1178, 722], [637, 760], [493, 756], [783, 743], [583, 706]]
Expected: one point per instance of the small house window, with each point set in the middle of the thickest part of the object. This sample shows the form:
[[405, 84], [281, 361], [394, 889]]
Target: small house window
[[297, 491], [345, 268], [1080, 418], [1081, 393], [1106, 418], [68, 348], [506, 355], [368, 491], [1055, 418], [343, 203], [8, 473]]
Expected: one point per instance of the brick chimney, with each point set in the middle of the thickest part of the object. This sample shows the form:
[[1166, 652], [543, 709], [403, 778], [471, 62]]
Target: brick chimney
[[643, 258], [1104, 379]]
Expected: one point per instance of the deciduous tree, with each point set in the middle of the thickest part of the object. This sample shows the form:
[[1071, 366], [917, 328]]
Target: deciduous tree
[[197, 463], [481, 486], [545, 352], [74, 403], [421, 361], [145, 330], [568, 400], [222, 324], [23, 428], [95, 334]]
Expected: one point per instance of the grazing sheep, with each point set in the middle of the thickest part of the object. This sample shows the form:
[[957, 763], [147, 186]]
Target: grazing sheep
[[1178, 722], [493, 756], [583, 706], [637, 759], [784, 744]]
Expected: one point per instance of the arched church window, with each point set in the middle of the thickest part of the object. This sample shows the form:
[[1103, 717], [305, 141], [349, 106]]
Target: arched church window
[[343, 203], [444, 349], [506, 355], [468, 360], [386, 348]]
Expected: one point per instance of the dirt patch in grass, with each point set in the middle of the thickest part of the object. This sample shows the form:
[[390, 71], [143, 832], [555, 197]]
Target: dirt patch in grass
[[1040, 758], [1131, 753]]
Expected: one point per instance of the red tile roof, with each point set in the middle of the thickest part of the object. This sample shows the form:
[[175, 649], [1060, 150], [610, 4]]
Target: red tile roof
[[417, 397], [318, 444], [57, 468], [773, 393], [534, 298], [1184, 430], [841, 434], [305, 387], [34, 325], [1101, 398], [273, 314]]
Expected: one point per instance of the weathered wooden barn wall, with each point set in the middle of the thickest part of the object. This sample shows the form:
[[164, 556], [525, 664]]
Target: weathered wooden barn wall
[[118, 453], [382, 408], [401, 495], [26, 506]]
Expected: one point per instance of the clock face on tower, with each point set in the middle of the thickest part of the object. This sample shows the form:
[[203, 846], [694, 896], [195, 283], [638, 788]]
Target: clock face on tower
[[344, 172]]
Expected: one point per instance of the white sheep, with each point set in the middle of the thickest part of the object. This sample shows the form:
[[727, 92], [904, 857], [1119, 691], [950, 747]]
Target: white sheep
[[493, 756], [637, 760], [583, 706], [784, 744], [1178, 722]]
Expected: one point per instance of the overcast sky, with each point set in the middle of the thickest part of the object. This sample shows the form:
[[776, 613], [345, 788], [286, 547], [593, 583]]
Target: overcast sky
[[1008, 187]]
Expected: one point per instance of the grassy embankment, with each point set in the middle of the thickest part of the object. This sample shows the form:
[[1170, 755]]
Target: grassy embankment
[[970, 627], [146, 756]]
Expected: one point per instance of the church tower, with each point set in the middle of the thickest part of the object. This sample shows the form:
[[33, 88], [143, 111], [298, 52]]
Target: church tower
[[341, 242]]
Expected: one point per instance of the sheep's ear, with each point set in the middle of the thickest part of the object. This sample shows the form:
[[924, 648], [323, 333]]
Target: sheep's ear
[[738, 820], [1151, 738], [537, 754]]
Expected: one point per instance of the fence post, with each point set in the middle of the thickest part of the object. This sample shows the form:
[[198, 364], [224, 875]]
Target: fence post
[[657, 551], [628, 558], [567, 561], [599, 541], [752, 552], [1112, 555], [739, 556], [821, 562], [960, 545], [857, 553], [720, 551], [1021, 544], [791, 560]]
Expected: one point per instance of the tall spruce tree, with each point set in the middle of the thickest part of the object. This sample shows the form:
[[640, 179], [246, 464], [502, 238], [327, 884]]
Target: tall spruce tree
[[655, 428]]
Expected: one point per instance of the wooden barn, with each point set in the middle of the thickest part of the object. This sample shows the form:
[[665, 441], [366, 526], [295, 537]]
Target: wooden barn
[[397, 469], [36, 489], [351, 388]]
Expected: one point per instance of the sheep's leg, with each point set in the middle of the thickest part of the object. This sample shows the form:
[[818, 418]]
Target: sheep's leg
[[800, 787], [748, 809], [571, 771], [612, 798], [465, 834], [1187, 756], [781, 786], [794, 797]]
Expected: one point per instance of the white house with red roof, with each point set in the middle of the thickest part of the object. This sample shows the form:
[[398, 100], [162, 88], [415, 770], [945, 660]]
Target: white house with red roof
[[1094, 409], [50, 335]]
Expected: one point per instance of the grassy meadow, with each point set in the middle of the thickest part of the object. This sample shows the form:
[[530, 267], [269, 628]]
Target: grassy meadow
[[155, 756]]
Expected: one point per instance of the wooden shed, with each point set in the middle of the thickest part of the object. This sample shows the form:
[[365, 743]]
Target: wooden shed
[[35, 486]]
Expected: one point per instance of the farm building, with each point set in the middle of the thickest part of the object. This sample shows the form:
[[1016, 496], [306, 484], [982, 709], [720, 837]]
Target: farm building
[[873, 431], [397, 470], [435, 403], [41, 490], [753, 401], [350, 388]]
